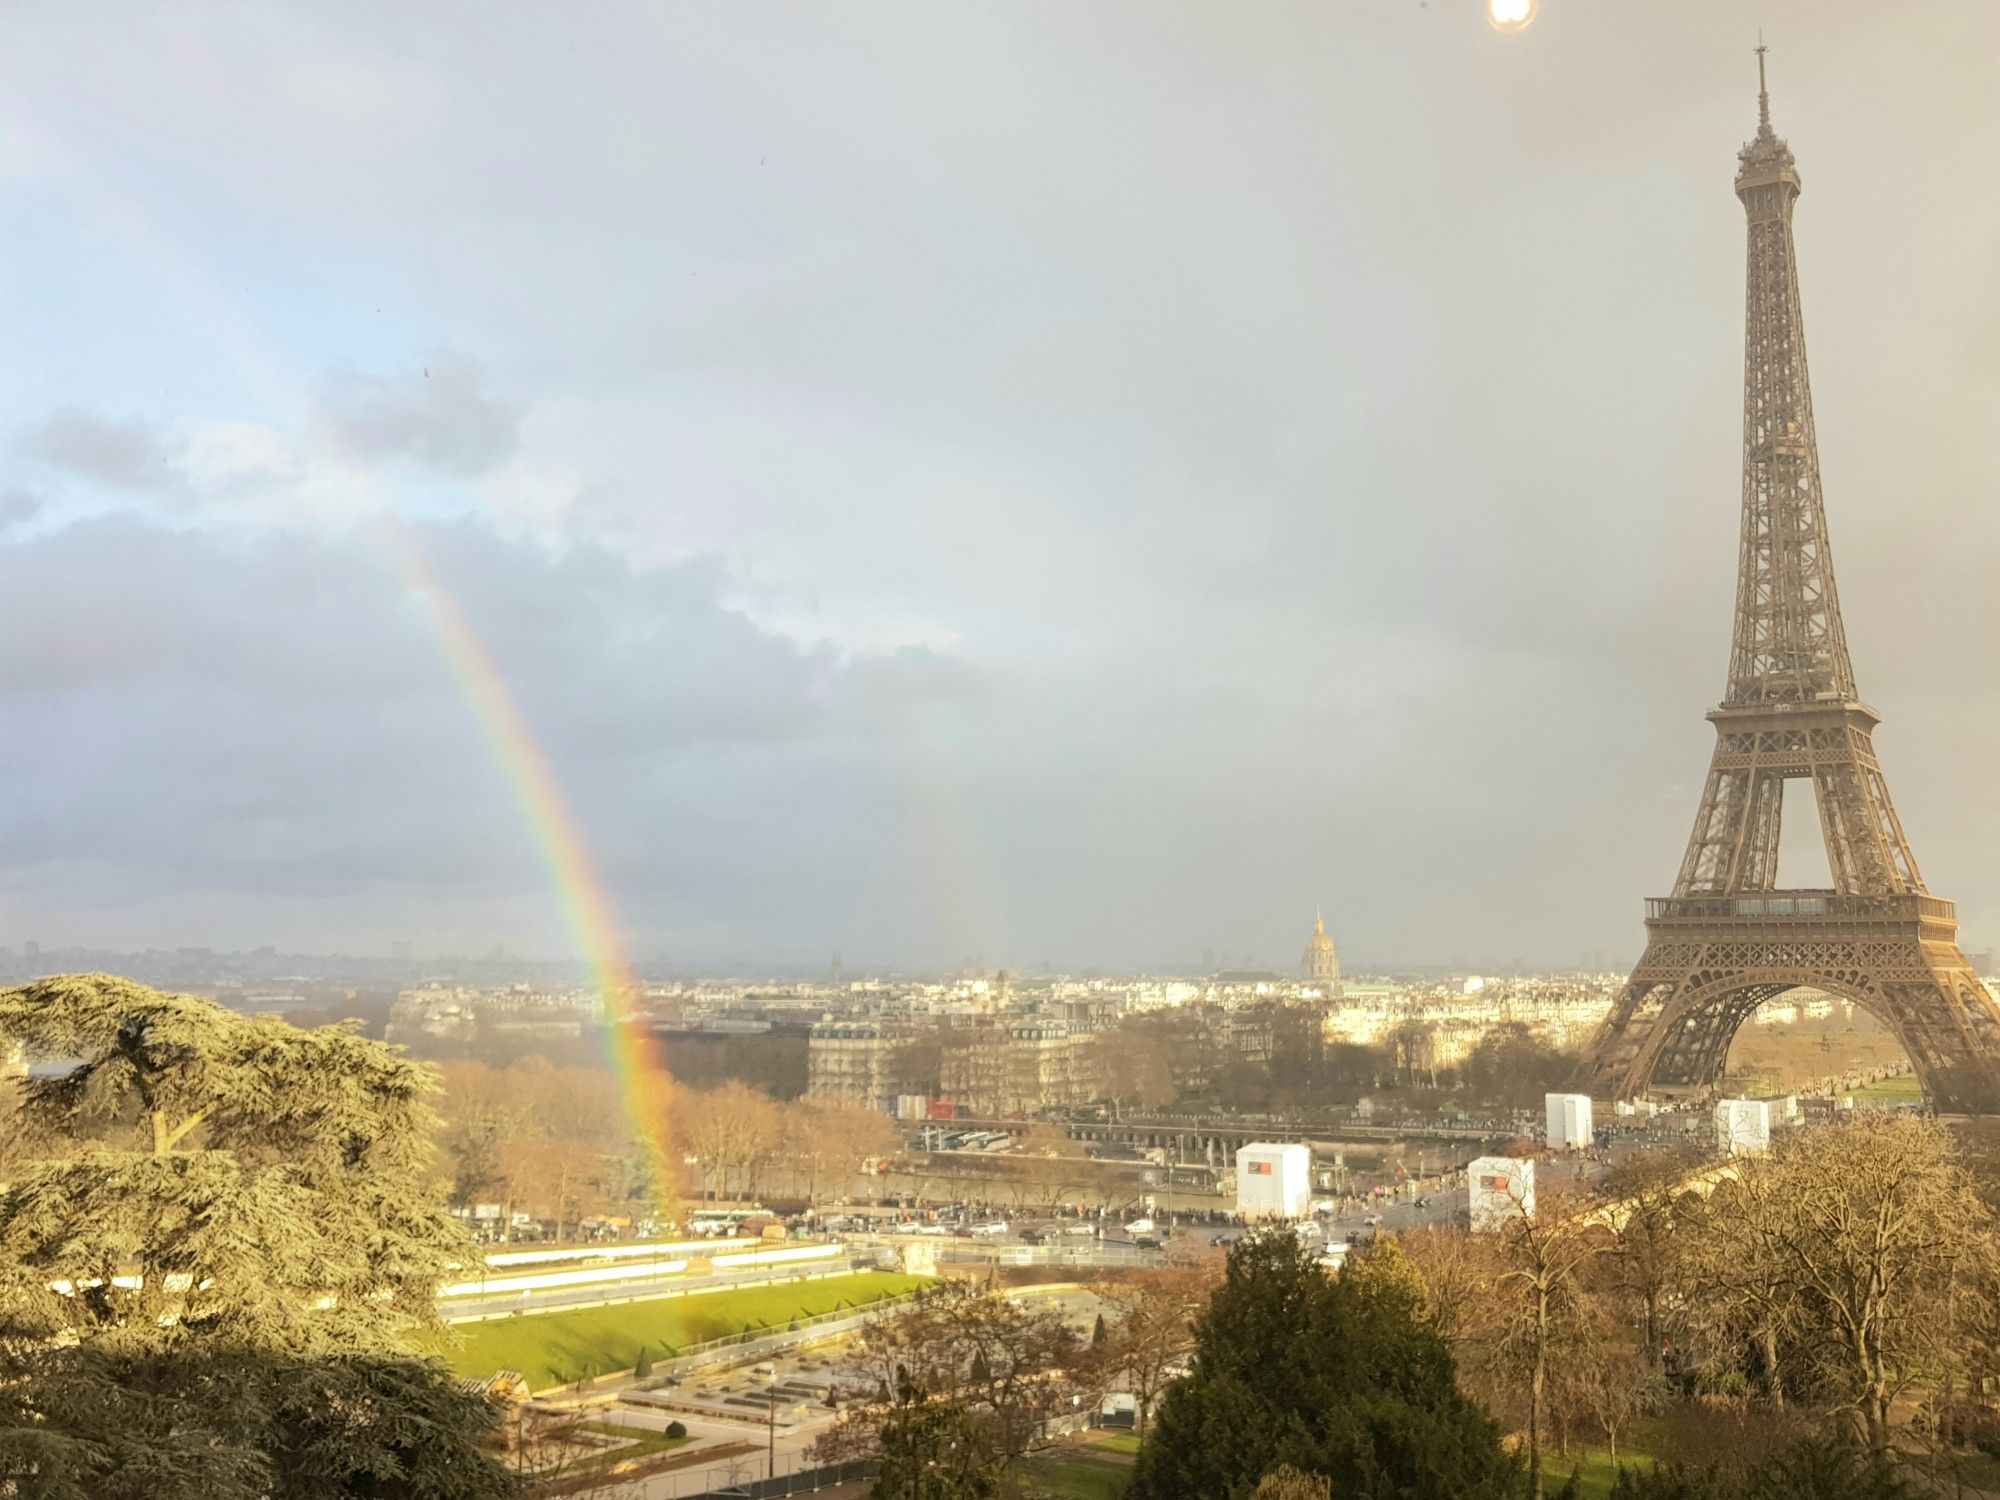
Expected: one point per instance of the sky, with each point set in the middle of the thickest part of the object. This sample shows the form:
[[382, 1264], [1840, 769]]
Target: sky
[[1082, 484]]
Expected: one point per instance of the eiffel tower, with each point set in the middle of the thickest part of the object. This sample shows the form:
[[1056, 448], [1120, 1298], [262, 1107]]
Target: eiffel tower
[[1729, 938]]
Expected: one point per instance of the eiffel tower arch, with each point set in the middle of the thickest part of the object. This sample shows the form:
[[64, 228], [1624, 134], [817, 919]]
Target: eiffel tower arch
[[1729, 938]]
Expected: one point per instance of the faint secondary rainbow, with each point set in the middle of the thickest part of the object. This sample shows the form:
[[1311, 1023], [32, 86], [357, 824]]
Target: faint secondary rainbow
[[636, 1052]]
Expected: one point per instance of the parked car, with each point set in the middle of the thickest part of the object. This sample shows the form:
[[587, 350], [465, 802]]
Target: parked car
[[1146, 1242]]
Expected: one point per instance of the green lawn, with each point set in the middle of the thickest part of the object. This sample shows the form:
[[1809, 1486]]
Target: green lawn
[[1901, 1089], [1094, 1469], [1595, 1472], [1073, 1476], [1098, 1467], [640, 1442], [1594, 1469], [559, 1347]]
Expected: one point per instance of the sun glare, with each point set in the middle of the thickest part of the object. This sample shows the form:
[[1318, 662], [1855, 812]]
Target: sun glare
[[1510, 15]]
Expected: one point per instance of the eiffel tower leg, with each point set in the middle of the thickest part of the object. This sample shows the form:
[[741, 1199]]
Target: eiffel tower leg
[[1627, 1048], [1670, 1029], [1951, 1030]]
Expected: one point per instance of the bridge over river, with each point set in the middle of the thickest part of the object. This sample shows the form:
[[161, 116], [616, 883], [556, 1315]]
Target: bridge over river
[[1194, 1136]]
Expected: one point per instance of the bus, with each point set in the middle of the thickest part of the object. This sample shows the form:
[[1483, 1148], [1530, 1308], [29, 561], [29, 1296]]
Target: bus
[[722, 1221]]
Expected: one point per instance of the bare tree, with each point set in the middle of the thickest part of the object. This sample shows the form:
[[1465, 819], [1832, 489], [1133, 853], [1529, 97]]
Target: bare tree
[[1456, 1270], [483, 1122], [731, 1131], [1542, 1307], [1009, 1365], [1892, 1250], [1135, 1065], [550, 1443], [1047, 1168], [550, 1140], [1617, 1386], [1414, 1046], [1288, 1483], [1650, 1217], [825, 1141], [1151, 1329], [1738, 1289]]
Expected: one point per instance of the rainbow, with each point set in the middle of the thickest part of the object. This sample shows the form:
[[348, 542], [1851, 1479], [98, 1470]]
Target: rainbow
[[636, 1053]]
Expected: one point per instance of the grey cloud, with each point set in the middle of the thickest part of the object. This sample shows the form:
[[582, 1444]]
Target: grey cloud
[[899, 682], [1317, 423], [19, 507], [268, 714], [439, 416], [121, 454]]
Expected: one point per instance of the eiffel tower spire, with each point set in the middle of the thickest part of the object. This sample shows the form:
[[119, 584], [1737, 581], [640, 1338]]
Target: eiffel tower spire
[[1790, 709], [1789, 646], [1730, 937], [1763, 90]]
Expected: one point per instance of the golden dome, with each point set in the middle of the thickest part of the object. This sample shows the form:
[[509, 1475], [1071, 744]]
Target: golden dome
[[1320, 961]]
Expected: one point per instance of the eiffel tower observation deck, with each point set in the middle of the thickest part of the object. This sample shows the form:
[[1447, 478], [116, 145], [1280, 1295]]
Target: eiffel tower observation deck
[[1729, 938]]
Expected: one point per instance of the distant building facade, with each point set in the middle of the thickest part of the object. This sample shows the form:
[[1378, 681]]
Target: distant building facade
[[1020, 1067], [854, 1061]]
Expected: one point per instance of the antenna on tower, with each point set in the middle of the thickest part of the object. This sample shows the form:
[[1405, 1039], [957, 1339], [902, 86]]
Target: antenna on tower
[[1763, 93]]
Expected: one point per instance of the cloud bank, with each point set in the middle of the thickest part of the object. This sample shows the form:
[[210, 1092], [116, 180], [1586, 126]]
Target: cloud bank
[[1078, 487]]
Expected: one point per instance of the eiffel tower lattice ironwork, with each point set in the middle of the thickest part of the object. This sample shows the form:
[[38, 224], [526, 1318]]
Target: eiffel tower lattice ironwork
[[1728, 938]]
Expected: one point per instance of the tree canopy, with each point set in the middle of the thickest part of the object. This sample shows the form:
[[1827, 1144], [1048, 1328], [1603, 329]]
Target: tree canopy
[[1340, 1377], [930, 1450], [1002, 1365], [217, 1251]]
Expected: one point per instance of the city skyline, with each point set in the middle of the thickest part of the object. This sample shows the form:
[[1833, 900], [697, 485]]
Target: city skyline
[[1009, 520]]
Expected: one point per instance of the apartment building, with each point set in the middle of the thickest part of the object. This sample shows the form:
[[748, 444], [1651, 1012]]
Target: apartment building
[[854, 1060], [1021, 1066]]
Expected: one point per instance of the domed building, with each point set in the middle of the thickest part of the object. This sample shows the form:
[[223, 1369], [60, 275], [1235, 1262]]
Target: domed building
[[1322, 960]]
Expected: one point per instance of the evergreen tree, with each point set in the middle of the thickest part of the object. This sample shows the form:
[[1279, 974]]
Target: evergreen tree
[[1338, 1377], [218, 1250]]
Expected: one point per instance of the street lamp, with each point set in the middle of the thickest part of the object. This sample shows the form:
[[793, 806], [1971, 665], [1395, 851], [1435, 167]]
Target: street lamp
[[770, 1420]]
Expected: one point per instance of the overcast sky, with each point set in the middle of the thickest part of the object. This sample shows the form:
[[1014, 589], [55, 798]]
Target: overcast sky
[[1078, 483]]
